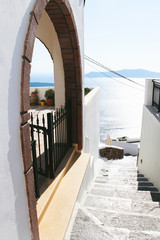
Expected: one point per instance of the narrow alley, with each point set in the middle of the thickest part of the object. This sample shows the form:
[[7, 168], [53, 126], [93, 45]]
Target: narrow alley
[[120, 205]]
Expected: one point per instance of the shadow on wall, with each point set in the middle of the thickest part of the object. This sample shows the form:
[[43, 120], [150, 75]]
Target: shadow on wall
[[19, 194]]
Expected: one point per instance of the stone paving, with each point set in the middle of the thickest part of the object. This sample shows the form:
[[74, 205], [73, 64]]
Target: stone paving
[[114, 208]]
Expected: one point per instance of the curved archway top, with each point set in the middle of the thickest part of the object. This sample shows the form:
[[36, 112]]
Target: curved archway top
[[62, 17]]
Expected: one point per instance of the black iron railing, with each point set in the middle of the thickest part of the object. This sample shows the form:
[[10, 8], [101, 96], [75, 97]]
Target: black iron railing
[[33, 147], [50, 140], [39, 134], [156, 94]]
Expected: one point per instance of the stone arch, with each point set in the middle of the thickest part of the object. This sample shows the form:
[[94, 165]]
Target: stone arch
[[61, 15]]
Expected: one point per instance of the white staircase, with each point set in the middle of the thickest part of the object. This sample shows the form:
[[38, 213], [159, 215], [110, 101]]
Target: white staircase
[[121, 205]]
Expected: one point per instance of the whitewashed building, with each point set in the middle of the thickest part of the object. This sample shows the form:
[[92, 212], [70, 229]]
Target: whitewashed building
[[58, 24], [149, 154]]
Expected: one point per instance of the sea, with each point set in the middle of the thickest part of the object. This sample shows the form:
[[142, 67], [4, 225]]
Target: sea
[[41, 80], [121, 104]]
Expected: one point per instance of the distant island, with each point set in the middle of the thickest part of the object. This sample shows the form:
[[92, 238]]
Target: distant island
[[130, 73], [47, 80]]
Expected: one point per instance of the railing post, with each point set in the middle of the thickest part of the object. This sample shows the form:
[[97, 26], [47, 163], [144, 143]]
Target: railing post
[[33, 145], [45, 146], [32, 131], [69, 129], [159, 101], [153, 93], [56, 138], [50, 141]]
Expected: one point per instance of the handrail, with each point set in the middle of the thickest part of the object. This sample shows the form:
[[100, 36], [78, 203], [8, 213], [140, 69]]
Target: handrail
[[156, 94], [156, 81]]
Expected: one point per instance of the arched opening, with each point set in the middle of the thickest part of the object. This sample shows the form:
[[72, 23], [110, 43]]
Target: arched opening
[[42, 64], [57, 17], [41, 77]]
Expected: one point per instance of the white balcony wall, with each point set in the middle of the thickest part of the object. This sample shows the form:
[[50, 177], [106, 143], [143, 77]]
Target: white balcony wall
[[148, 92], [91, 123], [41, 92]]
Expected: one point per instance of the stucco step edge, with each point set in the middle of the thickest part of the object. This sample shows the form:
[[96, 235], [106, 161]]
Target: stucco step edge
[[45, 199]]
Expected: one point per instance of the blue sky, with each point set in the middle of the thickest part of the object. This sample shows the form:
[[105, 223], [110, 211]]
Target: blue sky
[[41, 61], [121, 34]]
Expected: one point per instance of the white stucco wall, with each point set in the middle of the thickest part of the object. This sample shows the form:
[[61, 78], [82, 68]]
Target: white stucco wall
[[14, 20], [78, 12], [91, 123], [14, 219], [149, 156], [148, 92]]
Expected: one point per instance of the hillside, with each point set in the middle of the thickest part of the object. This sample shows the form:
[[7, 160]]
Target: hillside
[[130, 73]]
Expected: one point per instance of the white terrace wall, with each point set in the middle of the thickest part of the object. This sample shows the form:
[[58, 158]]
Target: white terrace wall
[[14, 20], [41, 92], [149, 155], [91, 124]]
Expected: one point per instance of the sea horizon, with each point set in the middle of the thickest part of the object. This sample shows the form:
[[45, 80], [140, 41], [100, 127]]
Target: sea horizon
[[121, 106], [41, 84], [41, 80]]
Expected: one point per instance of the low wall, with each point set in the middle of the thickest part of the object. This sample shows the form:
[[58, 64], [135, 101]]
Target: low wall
[[41, 92], [149, 155], [91, 124], [129, 148], [111, 152]]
